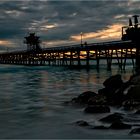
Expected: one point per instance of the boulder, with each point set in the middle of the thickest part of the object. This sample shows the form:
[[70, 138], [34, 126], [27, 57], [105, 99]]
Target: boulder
[[137, 112], [120, 125], [131, 104], [84, 97], [112, 118], [82, 123], [108, 91], [97, 109], [134, 92], [135, 79], [114, 81], [97, 100], [135, 131], [113, 96]]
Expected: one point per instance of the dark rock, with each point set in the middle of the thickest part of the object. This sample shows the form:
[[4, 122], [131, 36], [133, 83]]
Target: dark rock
[[112, 118], [125, 85], [134, 92], [120, 125], [97, 100], [106, 91], [135, 131], [137, 112], [131, 104], [118, 98], [113, 96], [97, 109], [82, 123], [84, 97], [114, 82], [135, 79]]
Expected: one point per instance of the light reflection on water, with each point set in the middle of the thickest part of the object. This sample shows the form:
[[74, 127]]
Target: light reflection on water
[[31, 101]]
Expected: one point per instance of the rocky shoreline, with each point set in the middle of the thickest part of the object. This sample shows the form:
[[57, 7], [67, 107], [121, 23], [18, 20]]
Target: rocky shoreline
[[116, 93]]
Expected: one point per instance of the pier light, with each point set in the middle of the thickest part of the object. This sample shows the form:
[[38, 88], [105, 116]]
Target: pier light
[[81, 37]]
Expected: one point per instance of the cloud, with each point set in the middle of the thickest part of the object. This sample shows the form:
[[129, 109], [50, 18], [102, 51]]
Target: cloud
[[60, 21], [6, 45], [111, 32], [56, 43], [5, 42]]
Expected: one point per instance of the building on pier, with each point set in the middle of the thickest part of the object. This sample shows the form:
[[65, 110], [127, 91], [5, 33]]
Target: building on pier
[[33, 42], [132, 32]]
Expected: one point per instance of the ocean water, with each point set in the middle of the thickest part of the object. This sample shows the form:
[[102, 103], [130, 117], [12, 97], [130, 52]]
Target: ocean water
[[32, 102]]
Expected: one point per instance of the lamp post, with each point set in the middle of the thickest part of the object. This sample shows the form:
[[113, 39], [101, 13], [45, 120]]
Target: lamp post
[[81, 38]]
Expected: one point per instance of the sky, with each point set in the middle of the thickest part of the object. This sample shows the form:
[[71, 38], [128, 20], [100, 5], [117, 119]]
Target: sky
[[60, 22]]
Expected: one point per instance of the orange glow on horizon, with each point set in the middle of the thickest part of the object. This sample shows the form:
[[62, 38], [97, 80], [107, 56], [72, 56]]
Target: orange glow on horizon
[[56, 43], [111, 32], [5, 42]]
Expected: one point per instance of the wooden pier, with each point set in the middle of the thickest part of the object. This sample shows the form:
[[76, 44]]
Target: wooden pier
[[80, 54], [75, 55]]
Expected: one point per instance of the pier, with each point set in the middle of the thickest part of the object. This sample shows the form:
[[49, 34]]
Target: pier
[[80, 54]]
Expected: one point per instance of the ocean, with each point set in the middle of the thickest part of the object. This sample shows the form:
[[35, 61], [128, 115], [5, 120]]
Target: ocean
[[32, 102]]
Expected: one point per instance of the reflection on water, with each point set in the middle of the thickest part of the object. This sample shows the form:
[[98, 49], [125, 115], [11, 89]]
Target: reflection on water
[[31, 100]]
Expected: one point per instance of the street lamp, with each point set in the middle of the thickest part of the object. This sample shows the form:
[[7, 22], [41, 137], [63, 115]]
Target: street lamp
[[81, 38]]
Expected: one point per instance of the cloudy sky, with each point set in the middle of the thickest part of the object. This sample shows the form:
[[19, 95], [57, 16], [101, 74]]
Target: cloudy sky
[[60, 22]]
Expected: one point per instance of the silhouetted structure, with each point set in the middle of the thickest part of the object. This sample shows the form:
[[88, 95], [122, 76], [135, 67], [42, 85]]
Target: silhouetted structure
[[132, 32], [33, 42]]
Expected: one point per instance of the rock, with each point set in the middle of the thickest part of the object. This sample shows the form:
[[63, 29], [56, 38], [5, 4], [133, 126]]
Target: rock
[[135, 131], [112, 118], [113, 82], [137, 112], [131, 104], [135, 79], [118, 97], [113, 96], [120, 125], [125, 85], [134, 92], [106, 91], [97, 109], [82, 123], [97, 100], [84, 97]]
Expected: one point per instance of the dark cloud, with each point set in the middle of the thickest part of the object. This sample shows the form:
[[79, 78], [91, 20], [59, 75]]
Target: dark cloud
[[58, 20]]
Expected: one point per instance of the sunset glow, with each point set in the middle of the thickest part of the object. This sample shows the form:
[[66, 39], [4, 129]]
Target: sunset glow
[[111, 32], [49, 26], [5, 43], [54, 43]]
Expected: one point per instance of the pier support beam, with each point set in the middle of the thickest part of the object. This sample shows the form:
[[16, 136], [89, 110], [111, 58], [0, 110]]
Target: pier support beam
[[79, 60], [71, 58], [138, 57], [97, 58], [87, 59]]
